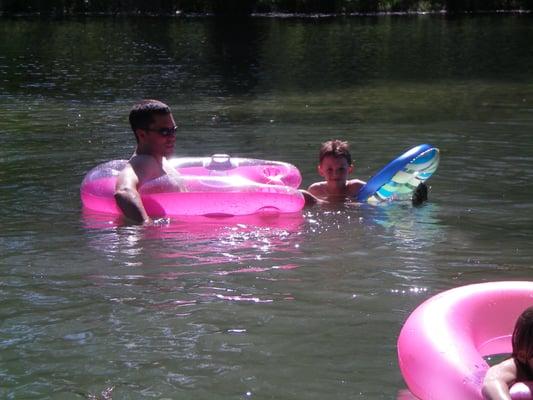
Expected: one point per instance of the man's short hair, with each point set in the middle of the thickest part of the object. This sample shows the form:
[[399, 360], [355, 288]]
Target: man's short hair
[[142, 114], [335, 148]]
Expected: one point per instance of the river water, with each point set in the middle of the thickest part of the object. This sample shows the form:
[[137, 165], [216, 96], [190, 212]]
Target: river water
[[305, 306]]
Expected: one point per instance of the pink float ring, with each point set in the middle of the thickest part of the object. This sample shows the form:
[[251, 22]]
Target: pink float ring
[[442, 344], [217, 185]]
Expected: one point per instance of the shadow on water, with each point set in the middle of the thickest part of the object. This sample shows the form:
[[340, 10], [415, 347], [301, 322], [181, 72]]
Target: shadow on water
[[236, 52]]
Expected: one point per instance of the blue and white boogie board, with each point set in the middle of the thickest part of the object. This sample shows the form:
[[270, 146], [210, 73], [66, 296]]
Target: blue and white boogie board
[[399, 178]]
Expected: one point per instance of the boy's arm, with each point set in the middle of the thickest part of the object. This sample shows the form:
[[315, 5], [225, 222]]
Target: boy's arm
[[128, 198], [498, 379]]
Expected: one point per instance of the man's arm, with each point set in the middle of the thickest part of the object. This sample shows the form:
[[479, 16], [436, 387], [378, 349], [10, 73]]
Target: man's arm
[[128, 198]]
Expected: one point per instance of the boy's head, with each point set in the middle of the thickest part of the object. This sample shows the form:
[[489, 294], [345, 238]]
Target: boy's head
[[523, 338], [335, 148], [335, 162]]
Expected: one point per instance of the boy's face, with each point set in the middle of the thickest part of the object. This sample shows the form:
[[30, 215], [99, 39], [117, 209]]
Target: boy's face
[[335, 170]]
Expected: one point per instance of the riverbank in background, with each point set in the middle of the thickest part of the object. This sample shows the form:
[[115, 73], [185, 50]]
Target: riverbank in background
[[300, 8]]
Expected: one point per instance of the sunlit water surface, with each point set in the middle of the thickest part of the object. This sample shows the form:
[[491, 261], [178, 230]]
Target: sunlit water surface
[[305, 306]]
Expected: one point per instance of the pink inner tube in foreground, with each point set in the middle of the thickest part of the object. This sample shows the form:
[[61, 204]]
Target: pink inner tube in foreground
[[442, 344], [217, 185]]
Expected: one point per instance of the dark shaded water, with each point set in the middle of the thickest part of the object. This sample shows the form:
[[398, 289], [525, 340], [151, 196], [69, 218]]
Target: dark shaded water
[[305, 306]]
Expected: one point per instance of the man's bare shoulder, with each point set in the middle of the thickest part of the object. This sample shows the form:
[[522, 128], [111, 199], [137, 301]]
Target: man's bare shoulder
[[142, 161], [127, 179], [145, 167]]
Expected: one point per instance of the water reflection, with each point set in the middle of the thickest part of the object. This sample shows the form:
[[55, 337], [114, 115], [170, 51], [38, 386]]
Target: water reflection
[[405, 394], [414, 227], [178, 267], [220, 246]]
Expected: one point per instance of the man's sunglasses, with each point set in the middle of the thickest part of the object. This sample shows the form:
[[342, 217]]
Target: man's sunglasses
[[165, 131]]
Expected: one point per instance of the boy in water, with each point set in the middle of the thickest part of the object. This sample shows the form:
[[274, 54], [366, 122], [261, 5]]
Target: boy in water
[[335, 165]]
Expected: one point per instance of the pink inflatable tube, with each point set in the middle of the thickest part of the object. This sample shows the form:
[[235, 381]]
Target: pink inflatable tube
[[213, 186], [443, 342]]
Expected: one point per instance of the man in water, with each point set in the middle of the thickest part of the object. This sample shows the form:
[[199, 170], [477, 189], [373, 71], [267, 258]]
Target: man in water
[[155, 131]]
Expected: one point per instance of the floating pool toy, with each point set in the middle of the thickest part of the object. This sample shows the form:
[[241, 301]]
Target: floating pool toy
[[442, 344], [399, 178], [213, 186]]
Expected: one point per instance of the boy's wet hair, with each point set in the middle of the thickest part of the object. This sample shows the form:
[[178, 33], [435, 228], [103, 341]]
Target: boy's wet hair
[[142, 114], [523, 337], [335, 148]]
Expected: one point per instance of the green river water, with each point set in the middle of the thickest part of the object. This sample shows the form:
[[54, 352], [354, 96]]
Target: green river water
[[306, 306]]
